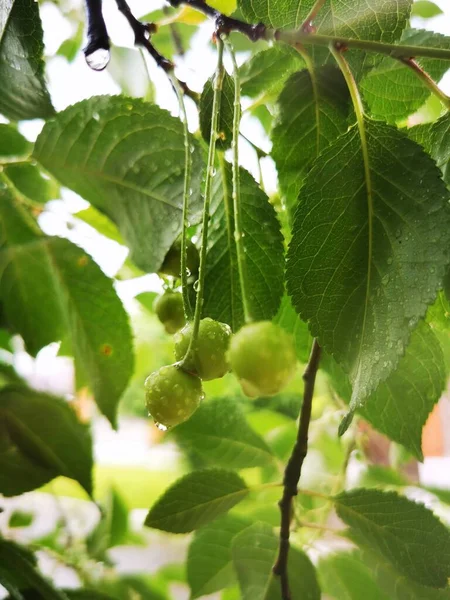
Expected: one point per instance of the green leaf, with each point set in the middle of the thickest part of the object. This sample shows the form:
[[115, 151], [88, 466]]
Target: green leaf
[[17, 568], [407, 534], [425, 9], [19, 518], [112, 528], [225, 123], [379, 476], [41, 438], [196, 499], [147, 300], [363, 266], [401, 405], [71, 46], [395, 585], [24, 93], [312, 113], [51, 289], [88, 594], [344, 576], [13, 146], [29, 181], [434, 137], [100, 223], [209, 562], [291, 13], [219, 432], [289, 320], [126, 158], [360, 19], [392, 90], [254, 551], [264, 253], [285, 404], [266, 72], [378, 20], [129, 71]]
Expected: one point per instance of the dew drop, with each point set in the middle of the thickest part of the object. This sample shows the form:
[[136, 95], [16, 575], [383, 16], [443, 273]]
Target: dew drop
[[161, 427], [98, 59], [196, 285]]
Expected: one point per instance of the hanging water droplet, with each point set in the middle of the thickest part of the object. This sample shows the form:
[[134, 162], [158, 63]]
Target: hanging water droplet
[[98, 59], [196, 285], [161, 427]]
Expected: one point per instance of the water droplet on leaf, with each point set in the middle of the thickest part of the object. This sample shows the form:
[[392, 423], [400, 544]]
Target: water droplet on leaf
[[161, 427]]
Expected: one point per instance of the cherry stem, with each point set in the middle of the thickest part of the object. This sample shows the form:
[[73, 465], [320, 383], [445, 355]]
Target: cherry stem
[[186, 195], [238, 229], [210, 166]]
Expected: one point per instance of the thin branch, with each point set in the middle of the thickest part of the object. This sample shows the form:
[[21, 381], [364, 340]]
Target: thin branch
[[393, 50], [293, 470], [142, 33], [427, 80]]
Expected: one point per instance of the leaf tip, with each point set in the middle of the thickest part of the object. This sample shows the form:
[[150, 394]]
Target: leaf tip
[[345, 423]]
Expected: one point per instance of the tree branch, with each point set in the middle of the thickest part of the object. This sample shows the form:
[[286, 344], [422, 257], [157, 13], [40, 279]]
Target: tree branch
[[294, 469]]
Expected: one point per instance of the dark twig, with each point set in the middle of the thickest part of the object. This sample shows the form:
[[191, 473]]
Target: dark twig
[[142, 33], [294, 469], [97, 34], [224, 24]]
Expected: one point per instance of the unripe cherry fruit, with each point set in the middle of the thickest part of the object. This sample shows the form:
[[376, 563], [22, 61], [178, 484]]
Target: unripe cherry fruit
[[208, 359], [262, 356], [172, 261], [172, 395], [169, 310]]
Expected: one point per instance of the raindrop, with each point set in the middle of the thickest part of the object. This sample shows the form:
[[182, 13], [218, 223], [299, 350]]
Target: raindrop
[[196, 285], [98, 59]]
